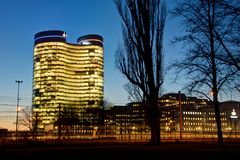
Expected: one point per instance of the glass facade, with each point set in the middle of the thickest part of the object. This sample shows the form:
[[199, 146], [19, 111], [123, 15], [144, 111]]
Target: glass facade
[[66, 75]]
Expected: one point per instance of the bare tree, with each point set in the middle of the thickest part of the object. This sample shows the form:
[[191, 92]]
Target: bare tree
[[29, 120], [229, 36], [140, 57], [107, 104], [135, 93], [205, 72], [26, 119]]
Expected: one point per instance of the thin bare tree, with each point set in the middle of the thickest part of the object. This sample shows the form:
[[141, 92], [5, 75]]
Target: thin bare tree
[[140, 57], [107, 104], [29, 120], [134, 92], [26, 118], [229, 37], [204, 71]]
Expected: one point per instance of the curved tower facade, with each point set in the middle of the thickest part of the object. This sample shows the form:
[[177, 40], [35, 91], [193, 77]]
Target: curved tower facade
[[66, 75]]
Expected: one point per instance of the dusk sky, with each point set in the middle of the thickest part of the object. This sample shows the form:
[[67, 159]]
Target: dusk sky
[[20, 20]]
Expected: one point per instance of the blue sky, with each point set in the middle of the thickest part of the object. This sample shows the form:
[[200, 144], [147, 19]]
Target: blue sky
[[20, 20]]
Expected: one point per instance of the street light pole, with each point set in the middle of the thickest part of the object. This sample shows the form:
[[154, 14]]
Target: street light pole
[[180, 113], [18, 82]]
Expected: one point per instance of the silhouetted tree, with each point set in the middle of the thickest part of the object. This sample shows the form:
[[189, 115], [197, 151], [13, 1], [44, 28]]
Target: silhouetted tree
[[107, 104], [68, 116], [135, 93], [104, 116], [205, 71], [229, 36], [140, 57], [29, 120], [26, 119]]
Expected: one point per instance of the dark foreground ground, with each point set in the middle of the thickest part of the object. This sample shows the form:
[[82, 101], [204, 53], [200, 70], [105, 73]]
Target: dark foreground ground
[[166, 151]]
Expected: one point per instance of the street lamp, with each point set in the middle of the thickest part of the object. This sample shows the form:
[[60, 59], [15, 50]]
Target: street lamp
[[18, 82], [180, 113]]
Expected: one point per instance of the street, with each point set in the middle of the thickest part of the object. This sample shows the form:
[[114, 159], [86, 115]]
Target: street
[[186, 151]]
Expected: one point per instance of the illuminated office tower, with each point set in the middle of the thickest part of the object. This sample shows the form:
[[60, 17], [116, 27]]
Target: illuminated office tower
[[66, 75]]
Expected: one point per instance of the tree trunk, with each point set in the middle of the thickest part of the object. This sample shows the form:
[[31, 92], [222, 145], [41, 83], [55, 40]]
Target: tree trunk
[[211, 25], [218, 120], [155, 132], [154, 117]]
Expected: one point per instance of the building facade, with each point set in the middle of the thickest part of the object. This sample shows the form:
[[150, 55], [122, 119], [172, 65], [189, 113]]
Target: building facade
[[195, 118], [67, 78]]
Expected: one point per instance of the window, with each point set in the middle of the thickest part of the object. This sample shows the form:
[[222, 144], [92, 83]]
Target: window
[[90, 102], [36, 92], [37, 59], [91, 84], [91, 72], [80, 72], [91, 50]]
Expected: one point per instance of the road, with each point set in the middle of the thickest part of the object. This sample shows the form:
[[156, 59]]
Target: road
[[167, 151]]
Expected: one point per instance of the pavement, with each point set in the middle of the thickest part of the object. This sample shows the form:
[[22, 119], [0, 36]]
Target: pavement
[[165, 151]]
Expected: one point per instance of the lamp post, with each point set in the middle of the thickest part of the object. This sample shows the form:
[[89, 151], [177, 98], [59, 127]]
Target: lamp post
[[180, 113], [18, 82], [234, 117]]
